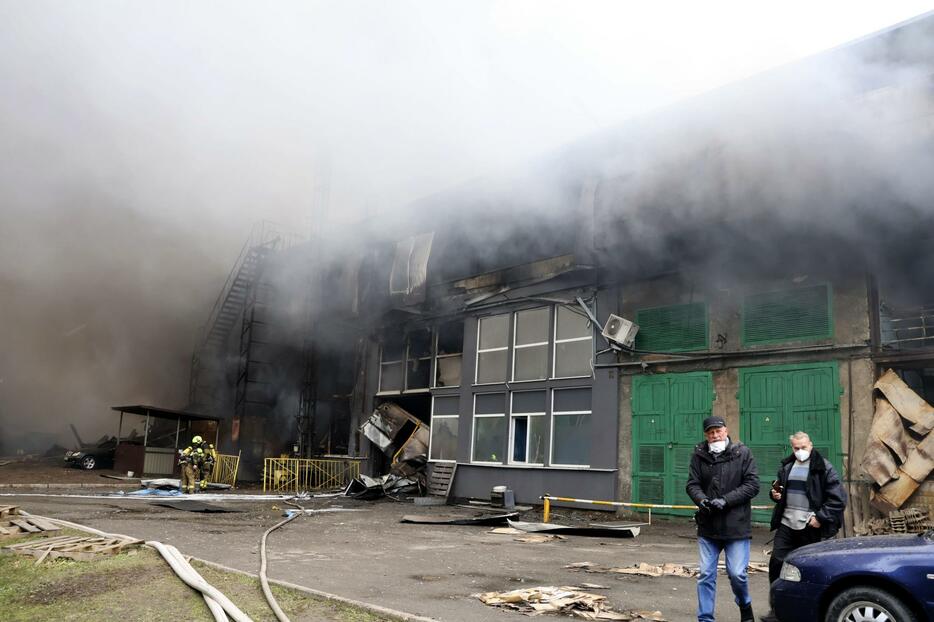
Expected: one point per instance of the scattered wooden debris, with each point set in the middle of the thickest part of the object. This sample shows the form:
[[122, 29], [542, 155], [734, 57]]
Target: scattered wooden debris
[[80, 548], [648, 570], [12, 523], [909, 520], [568, 600]]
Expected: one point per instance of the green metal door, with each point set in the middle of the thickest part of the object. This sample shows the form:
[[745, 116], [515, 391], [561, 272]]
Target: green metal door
[[777, 401], [667, 412]]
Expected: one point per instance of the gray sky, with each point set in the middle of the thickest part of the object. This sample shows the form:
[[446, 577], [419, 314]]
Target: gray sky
[[140, 140]]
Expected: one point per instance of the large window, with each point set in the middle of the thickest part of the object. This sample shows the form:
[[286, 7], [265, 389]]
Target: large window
[[407, 360], [530, 344], [489, 427], [444, 421], [573, 343], [492, 349], [528, 428], [571, 438]]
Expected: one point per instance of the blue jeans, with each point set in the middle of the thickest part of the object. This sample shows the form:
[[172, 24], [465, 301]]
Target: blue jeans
[[737, 561]]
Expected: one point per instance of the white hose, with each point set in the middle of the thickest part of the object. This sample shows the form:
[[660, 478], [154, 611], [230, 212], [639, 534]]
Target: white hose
[[218, 604], [264, 581]]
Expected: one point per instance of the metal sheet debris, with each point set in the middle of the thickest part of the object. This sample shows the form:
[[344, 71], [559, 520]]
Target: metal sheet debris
[[908, 403], [596, 531], [168, 483], [650, 570], [189, 505], [439, 519], [566, 599]]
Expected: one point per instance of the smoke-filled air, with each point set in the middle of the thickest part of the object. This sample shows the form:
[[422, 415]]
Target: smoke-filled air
[[141, 142]]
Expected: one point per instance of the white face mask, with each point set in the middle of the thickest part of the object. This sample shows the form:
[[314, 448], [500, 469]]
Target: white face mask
[[716, 446], [802, 454]]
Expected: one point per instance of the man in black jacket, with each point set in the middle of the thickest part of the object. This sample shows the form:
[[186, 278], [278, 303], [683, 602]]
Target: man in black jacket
[[809, 501], [722, 482]]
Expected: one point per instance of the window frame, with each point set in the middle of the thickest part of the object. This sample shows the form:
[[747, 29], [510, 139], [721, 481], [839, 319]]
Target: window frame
[[538, 344], [435, 356], [473, 428], [528, 415], [432, 419], [476, 367], [556, 341], [551, 444]]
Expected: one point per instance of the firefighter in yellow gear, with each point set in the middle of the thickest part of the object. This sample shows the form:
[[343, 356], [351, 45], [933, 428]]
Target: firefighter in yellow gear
[[190, 462], [207, 463]]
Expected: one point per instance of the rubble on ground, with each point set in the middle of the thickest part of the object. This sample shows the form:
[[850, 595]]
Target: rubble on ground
[[650, 570], [567, 600], [909, 520]]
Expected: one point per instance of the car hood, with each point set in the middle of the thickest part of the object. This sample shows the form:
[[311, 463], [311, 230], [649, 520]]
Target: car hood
[[862, 546]]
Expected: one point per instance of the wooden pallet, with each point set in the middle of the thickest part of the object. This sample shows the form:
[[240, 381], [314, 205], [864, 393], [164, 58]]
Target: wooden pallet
[[13, 524], [441, 479], [80, 548]]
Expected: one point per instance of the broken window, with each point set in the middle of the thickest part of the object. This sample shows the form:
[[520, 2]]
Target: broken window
[[528, 428], [573, 342], [418, 361], [410, 265], [530, 354], [444, 421], [571, 439], [391, 365], [492, 349], [489, 427], [449, 348]]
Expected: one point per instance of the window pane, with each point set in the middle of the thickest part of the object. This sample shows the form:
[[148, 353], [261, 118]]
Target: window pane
[[420, 344], [572, 400], [444, 438], [418, 375], [390, 378], [490, 404], [494, 332], [571, 439], [447, 405], [532, 326], [393, 348], [572, 324], [537, 448], [520, 428], [451, 338], [528, 402], [491, 366], [572, 358], [448, 372], [531, 363], [489, 438]]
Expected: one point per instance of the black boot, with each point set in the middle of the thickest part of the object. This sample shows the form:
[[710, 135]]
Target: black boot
[[768, 617], [745, 614]]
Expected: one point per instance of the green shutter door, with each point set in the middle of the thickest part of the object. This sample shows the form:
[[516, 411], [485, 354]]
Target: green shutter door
[[668, 410], [776, 402]]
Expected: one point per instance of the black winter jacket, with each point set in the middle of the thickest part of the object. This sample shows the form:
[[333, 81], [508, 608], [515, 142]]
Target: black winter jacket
[[731, 474], [826, 494]]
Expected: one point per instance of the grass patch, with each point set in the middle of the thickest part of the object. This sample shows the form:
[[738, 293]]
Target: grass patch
[[140, 587]]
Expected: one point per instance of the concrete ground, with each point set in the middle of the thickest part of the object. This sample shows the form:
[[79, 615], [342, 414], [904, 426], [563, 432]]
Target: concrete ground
[[429, 570]]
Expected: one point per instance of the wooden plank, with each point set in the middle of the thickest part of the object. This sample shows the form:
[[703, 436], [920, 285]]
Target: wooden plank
[[24, 525], [43, 524], [6, 510]]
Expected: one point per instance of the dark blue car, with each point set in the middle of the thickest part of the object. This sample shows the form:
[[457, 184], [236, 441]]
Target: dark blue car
[[870, 579]]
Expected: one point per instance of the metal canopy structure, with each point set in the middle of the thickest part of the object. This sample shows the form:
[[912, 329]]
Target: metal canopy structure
[[161, 460]]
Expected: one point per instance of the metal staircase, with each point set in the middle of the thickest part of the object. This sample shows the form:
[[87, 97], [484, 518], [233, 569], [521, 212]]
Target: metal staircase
[[207, 378]]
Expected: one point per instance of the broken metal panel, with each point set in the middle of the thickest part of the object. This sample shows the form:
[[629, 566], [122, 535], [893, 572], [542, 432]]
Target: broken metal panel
[[908, 403], [480, 520], [597, 531]]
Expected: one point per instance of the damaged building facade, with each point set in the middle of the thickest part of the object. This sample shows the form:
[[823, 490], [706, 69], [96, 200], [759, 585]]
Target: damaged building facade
[[758, 297]]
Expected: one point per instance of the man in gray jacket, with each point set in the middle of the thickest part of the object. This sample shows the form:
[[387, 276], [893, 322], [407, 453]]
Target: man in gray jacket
[[723, 480]]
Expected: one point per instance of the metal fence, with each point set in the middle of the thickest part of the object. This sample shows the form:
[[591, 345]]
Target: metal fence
[[907, 327], [225, 469], [304, 474]]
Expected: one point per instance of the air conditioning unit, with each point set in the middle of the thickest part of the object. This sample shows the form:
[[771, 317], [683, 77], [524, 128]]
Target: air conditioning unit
[[620, 331]]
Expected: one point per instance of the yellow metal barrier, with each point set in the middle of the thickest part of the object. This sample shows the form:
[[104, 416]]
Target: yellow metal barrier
[[546, 510], [225, 469], [304, 474]]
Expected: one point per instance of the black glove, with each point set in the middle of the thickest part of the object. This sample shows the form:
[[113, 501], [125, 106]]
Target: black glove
[[718, 504], [705, 505]]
